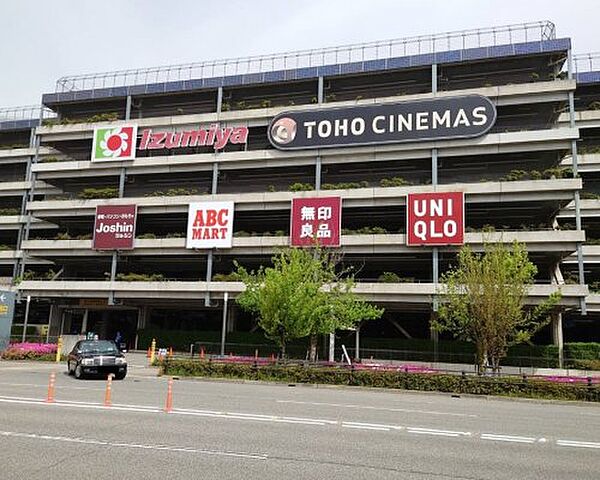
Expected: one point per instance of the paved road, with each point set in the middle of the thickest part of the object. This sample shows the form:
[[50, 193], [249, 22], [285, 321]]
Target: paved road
[[258, 431]]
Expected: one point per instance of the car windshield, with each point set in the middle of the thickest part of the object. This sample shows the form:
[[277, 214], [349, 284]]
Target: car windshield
[[100, 346]]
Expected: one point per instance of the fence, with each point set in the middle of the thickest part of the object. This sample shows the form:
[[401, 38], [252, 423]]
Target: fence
[[361, 52]]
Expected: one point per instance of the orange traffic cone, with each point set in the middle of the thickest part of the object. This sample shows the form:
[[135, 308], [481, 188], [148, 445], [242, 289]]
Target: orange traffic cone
[[108, 393], [169, 402], [51, 383], [202, 353], [148, 353], [170, 351]]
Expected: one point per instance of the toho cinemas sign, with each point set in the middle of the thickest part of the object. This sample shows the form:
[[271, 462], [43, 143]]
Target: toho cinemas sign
[[433, 119]]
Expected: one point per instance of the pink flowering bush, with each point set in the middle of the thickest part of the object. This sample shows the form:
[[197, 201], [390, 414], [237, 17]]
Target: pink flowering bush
[[29, 351]]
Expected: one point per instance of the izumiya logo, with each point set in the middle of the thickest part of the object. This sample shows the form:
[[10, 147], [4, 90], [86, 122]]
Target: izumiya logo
[[114, 143]]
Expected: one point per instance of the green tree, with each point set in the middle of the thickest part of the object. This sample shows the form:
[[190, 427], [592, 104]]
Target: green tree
[[483, 301], [304, 294]]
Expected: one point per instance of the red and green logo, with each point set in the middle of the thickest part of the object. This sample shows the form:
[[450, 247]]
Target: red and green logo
[[114, 143]]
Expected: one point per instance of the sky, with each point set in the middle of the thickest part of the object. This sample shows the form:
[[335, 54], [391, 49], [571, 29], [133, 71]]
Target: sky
[[43, 40]]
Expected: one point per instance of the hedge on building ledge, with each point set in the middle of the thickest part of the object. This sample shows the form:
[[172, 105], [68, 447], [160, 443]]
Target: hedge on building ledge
[[502, 386]]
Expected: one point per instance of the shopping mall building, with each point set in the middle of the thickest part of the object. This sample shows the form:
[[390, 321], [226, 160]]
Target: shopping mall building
[[494, 133]]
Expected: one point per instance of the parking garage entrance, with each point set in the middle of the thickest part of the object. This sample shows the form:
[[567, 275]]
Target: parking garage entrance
[[104, 322]]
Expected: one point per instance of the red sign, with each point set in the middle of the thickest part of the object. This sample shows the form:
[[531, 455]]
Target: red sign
[[435, 218], [114, 227], [316, 220]]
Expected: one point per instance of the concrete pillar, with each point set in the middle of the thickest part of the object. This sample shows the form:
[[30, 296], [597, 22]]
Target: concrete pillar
[[434, 336], [332, 347], [357, 343], [54, 321], [85, 321], [143, 317], [557, 337], [231, 318]]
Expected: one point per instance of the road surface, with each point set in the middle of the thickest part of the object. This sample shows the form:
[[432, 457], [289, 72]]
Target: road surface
[[261, 431]]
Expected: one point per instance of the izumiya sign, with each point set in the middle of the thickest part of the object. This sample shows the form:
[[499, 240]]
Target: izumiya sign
[[434, 119], [120, 142]]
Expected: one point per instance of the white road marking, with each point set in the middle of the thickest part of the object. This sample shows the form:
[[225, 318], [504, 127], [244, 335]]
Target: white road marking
[[365, 427], [376, 425], [291, 420], [507, 438], [433, 431], [575, 443], [91, 441], [383, 409]]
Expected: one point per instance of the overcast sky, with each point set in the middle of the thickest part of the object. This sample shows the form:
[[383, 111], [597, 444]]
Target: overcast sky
[[43, 40]]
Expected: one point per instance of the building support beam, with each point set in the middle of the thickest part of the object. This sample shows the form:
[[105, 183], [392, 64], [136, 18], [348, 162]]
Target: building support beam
[[224, 325], [128, 108], [557, 337], [401, 329], [576, 197], [357, 343]]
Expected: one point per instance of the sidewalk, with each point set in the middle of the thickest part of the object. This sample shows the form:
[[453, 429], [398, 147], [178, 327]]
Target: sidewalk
[[139, 364], [468, 368]]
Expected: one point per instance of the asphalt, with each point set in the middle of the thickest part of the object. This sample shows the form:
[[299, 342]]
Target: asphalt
[[247, 430]]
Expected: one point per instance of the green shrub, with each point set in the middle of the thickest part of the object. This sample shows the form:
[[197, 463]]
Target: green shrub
[[10, 211], [100, 117], [503, 386], [585, 364], [101, 192], [226, 277], [388, 277], [365, 231], [140, 277], [344, 185], [175, 192], [300, 187], [394, 182]]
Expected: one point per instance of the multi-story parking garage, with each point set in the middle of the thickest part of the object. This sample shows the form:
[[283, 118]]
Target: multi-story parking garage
[[201, 134]]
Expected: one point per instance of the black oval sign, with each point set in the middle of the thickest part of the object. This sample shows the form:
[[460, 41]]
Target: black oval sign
[[433, 119]]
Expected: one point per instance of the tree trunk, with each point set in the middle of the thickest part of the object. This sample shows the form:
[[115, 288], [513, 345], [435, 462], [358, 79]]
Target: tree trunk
[[283, 349], [481, 357], [312, 356]]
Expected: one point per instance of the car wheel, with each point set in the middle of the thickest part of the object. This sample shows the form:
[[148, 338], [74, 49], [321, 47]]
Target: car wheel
[[69, 372], [120, 376], [78, 372]]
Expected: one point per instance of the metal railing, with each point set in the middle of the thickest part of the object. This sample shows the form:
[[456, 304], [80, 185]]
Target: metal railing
[[586, 62], [377, 50], [25, 112]]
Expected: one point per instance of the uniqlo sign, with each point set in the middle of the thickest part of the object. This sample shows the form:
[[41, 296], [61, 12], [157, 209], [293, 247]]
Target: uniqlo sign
[[316, 220], [210, 225], [114, 227], [435, 218]]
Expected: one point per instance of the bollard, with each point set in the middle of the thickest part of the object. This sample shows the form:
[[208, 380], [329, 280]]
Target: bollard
[[59, 345], [108, 393], [148, 352], [169, 402], [256, 354], [51, 383], [152, 351]]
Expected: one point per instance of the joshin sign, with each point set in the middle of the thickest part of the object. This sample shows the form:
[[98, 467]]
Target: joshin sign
[[210, 225], [435, 218], [114, 228]]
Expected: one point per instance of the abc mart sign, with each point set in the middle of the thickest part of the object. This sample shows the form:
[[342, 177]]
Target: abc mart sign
[[444, 118], [118, 143]]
